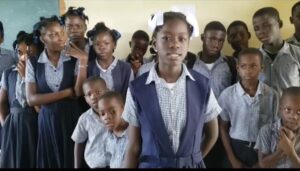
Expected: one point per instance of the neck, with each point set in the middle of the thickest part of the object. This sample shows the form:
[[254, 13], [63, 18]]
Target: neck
[[80, 43], [105, 63], [53, 56], [207, 58], [274, 47], [250, 86], [169, 73], [121, 128], [297, 35]]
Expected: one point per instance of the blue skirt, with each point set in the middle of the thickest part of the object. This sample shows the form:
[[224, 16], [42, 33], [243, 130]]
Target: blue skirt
[[56, 123], [19, 135]]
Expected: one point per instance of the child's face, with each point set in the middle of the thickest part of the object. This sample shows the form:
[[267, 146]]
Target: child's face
[[295, 18], [104, 45], [54, 37], [172, 43], [138, 48], [290, 112], [75, 27], [266, 29], [213, 41], [92, 93], [249, 67], [110, 111], [238, 37], [22, 51]]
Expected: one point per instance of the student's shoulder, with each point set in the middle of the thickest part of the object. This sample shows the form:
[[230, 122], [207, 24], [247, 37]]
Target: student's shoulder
[[85, 115], [294, 50], [123, 63], [7, 51]]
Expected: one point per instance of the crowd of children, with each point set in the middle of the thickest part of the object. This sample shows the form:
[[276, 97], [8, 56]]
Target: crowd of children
[[67, 102]]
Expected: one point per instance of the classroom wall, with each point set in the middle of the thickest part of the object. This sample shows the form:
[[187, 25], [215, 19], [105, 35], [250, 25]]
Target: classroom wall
[[131, 15], [19, 15]]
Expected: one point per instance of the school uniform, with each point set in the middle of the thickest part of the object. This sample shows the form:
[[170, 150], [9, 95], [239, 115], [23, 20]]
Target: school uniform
[[91, 130], [56, 120], [284, 71], [145, 68], [7, 59], [117, 76], [19, 131], [293, 40], [246, 115], [171, 122], [115, 148], [218, 72], [267, 142]]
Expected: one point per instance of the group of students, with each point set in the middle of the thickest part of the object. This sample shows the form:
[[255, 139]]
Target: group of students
[[69, 102]]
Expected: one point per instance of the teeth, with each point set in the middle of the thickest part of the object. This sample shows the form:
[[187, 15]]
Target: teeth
[[174, 55]]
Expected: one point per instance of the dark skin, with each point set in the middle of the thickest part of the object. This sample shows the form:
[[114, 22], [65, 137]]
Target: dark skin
[[54, 39], [295, 20], [249, 66], [238, 38], [171, 44], [138, 49], [213, 41]]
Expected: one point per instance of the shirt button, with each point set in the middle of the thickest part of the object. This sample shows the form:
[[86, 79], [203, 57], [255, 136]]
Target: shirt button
[[54, 70], [56, 85]]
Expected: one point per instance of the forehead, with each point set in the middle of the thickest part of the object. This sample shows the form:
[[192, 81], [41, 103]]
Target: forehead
[[237, 28], [292, 100], [174, 26], [93, 86], [249, 58], [296, 10], [103, 35], [51, 27], [266, 18], [215, 33], [110, 102], [73, 19], [139, 41]]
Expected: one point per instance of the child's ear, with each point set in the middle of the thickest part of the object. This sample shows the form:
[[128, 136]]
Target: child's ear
[[42, 40], [280, 23], [154, 45]]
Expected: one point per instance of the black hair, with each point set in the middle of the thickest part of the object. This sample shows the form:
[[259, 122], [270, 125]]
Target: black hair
[[237, 23], [101, 28], [113, 94], [170, 15], [140, 34], [22, 36], [72, 11], [251, 50], [44, 23], [270, 11], [1, 30], [291, 91], [214, 25], [93, 79], [295, 6]]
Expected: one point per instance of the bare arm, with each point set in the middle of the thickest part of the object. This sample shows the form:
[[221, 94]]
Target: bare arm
[[34, 99], [211, 135], [133, 148], [82, 57], [3, 105], [224, 132], [79, 154]]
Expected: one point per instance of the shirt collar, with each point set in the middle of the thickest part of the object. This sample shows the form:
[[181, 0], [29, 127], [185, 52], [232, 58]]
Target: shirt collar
[[153, 76], [124, 134], [241, 91], [111, 66], [44, 58], [293, 40], [284, 50]]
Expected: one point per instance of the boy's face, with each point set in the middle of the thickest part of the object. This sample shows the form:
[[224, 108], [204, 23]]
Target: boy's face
[[238, 37], [290, 112], [213, 41], [92, 93], [172, 43], [75, 27], [249, 67], [295, 18], [266, 28], [22, 51], [138, 48], [110, 111]]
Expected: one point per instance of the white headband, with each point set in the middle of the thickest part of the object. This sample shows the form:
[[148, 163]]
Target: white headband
[[158, 19]]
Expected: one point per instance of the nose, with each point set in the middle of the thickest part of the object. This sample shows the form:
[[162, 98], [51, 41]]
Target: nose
[[174, 43]]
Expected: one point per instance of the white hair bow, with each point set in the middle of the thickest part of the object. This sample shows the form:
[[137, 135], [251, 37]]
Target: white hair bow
[[157, 19]]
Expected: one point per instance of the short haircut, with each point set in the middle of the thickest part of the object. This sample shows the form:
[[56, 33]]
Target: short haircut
[[93, 79], [295, 6], [291, 91], [270, 11], [252, 51], [237, 23], [140, 34], [113, 94], [214, 25], [1, 30], [72, 11]]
